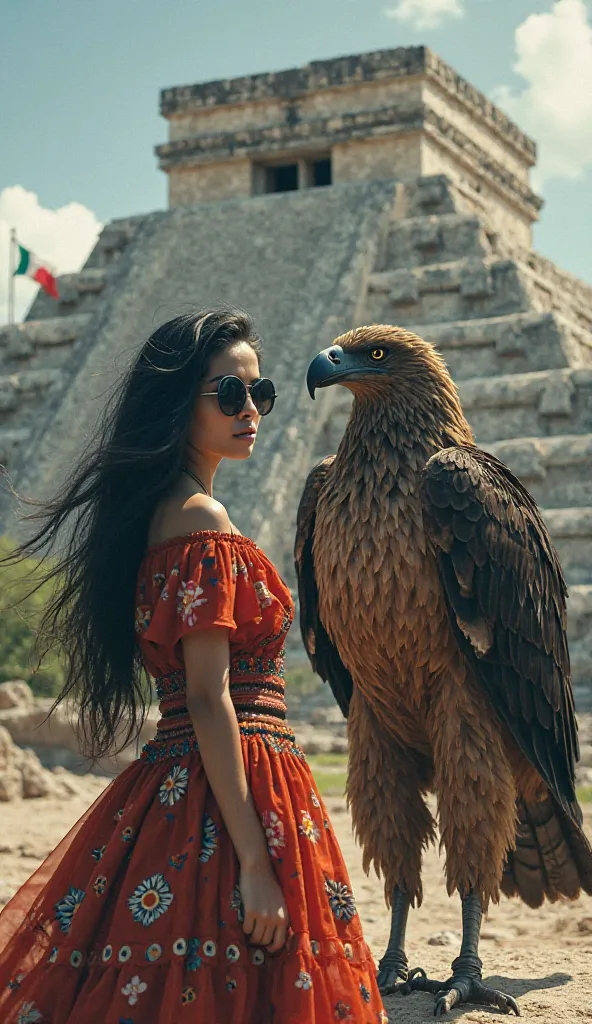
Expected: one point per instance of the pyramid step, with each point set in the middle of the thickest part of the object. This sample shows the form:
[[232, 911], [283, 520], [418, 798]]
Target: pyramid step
[[557, 290], [417, 241], [571, 532], [10, 442], [441, 292], [516, 343], [579, 632], [19, 341], [537, 404], [556, 470], [17, 389]]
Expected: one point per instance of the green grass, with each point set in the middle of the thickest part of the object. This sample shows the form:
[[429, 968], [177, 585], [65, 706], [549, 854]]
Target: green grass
[[330, 783], [329, 760], [329, 772], [584, 794]]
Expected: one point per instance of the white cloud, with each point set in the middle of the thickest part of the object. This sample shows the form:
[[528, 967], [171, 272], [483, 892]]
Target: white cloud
[[63, 238], [554, 53], [425, 13]]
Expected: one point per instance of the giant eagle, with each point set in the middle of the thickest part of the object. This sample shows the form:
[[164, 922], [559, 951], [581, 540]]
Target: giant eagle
[[433, 602]]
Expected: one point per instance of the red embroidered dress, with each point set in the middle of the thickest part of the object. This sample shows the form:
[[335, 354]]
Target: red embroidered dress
[[135, 918]]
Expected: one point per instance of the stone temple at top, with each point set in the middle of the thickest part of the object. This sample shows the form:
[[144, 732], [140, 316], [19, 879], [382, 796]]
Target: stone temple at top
[[401, 114], [379, 188]]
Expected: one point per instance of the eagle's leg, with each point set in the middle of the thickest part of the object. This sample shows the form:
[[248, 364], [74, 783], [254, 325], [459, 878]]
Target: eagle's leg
[[391, 819], [476, 794], [466, 984], [393, 969]]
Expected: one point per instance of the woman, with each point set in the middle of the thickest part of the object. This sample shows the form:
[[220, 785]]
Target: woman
[[206, 883]]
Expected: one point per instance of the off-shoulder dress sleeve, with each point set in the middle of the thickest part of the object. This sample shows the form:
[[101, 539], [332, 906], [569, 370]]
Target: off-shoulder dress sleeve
[[193, 587]]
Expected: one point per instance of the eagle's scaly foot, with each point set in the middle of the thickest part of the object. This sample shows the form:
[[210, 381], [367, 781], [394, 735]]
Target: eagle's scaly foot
[[393, 969], [393, 972], [460, 988]]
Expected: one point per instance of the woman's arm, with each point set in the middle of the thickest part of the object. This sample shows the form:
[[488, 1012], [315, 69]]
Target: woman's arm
[[206, 656], [216, 727]]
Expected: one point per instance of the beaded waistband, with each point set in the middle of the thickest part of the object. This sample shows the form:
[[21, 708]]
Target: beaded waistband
[[181, 740], [256, 687]]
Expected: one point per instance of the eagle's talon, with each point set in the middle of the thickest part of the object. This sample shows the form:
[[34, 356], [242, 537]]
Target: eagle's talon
[[462, 989], [393, 972]]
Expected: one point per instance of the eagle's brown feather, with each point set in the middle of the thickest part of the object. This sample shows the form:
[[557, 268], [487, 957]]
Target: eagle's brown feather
[[506, 593]]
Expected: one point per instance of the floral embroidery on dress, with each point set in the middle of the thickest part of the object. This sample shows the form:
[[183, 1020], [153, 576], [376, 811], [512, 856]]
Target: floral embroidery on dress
[[236, 903], [274, 832], [67, 907], [133, 989], [174, 785], [303, 980], [151, 898], [158, 579], [230, 983], [154, 952], [263, 596], [177, 860], [382, 1017], [98, 852], [100, 884], [209, 840], [365, 993], [308, 828], [143, 616], [314, 799], [343, 1011], [28, 1014], [187, 995], [341, 900], [193, 961], [188, 600]]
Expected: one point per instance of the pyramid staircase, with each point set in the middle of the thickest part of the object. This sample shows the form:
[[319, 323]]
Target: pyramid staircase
[[516, 334], [40, 356]]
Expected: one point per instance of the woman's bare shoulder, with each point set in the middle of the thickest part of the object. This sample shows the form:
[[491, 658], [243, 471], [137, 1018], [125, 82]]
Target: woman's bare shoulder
[[200, 512]]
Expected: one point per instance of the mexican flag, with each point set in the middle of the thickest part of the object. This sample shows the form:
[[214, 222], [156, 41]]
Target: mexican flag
[[31, 266]]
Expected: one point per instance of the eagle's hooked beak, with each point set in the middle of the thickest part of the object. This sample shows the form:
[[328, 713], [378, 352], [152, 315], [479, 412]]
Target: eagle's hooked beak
[[335, 365]]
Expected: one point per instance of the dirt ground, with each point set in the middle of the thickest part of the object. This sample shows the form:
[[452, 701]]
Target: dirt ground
[[543, 958]]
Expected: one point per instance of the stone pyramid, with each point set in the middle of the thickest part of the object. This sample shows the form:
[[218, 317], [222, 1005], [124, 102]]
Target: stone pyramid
[[378, 188]]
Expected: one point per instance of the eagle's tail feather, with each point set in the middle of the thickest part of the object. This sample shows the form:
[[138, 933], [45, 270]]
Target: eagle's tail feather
[[553, 857]]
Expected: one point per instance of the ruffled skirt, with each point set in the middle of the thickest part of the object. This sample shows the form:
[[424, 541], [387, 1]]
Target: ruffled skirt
[[135, 918]]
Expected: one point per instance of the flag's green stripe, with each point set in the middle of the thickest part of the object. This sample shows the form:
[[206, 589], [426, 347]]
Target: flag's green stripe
[[24, 261]]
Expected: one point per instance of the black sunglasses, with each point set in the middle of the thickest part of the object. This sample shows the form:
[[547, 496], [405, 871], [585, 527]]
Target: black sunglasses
[[232, 395]]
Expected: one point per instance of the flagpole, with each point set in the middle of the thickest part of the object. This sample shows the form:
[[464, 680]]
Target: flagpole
[[11, 270]]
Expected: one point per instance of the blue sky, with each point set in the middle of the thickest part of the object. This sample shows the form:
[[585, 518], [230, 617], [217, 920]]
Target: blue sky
[[80, 82]]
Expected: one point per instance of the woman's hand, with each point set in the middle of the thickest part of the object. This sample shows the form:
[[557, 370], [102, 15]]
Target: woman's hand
[[266, 915]]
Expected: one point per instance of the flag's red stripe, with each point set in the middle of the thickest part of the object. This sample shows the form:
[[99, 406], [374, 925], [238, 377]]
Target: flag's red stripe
[[47, 282]]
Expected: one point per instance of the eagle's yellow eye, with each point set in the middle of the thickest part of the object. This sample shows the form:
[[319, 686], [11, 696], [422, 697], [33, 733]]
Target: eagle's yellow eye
[[377, 354]]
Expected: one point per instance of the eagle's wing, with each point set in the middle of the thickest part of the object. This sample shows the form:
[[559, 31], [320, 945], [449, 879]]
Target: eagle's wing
[[506, 596], [323, 654]]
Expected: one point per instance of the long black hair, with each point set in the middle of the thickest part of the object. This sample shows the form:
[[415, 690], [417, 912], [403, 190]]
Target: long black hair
[[106, 505]]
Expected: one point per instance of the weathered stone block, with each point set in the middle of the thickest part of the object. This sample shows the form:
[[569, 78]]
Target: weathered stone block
[[557, 397], [477, 281], [511, 342], [427, 235], [403, 288], [9, 390]]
